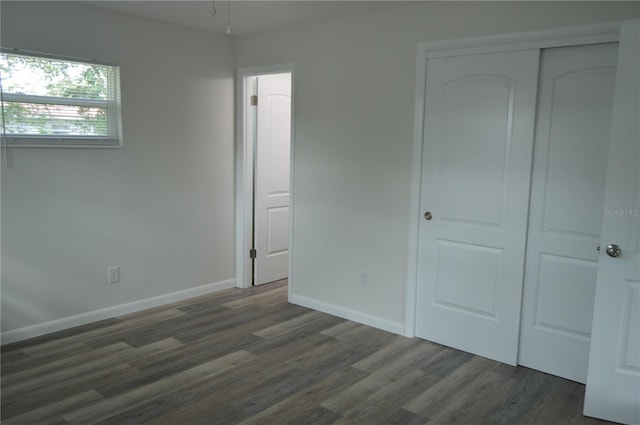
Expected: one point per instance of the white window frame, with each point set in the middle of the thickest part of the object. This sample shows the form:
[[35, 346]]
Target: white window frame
[[67, 141]]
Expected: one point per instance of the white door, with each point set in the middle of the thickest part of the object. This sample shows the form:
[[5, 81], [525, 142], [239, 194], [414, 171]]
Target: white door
[[272, 150], [567, 195], [613, 380], [478, 142]]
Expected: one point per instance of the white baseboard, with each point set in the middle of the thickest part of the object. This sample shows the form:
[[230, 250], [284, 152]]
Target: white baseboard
[[345, 313], [109, 312]]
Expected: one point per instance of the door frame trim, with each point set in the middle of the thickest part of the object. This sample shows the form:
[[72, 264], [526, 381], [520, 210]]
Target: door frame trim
[[244, 172], [557, 37]]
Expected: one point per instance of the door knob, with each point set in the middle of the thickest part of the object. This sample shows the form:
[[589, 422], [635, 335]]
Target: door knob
[[428, 216], [613, 250]]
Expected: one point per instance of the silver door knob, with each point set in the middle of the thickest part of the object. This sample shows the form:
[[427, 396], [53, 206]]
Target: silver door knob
[[428, 216], [613, 250]]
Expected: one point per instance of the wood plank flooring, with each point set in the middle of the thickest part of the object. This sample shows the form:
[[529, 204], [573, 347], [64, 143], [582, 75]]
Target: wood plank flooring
[[246, 356]]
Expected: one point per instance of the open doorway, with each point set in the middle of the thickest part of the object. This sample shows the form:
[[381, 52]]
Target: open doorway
[[264, 175]]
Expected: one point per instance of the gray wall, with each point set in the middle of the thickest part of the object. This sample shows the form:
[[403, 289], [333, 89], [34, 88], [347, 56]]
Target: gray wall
[[161, 207], [354, 128]]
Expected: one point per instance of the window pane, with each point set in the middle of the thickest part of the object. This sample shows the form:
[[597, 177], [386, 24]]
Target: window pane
[[32, 75], [55, 120]]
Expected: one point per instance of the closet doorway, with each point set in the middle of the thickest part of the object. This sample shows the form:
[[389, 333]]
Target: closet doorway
[[485, 117], [514, 136]]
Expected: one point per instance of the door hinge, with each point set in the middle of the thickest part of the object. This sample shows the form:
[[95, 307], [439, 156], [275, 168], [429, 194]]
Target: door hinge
[[252, 254], [254, 100]]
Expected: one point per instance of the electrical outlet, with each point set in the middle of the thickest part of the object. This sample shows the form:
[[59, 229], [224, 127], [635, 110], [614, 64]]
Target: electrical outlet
[[114, 274], [364, 279]]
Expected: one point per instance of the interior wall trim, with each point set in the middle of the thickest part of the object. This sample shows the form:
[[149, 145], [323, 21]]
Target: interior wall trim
[[39, 329], [353, 315]]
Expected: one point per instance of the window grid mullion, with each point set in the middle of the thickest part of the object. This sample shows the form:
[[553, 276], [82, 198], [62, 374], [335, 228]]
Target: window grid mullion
[[51, 100]]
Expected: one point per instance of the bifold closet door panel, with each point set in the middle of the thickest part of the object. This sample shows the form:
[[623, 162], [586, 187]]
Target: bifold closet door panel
[[567, 195], [478, 143]]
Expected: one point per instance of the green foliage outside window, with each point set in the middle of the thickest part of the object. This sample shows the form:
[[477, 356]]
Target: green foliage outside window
[[52, 97]]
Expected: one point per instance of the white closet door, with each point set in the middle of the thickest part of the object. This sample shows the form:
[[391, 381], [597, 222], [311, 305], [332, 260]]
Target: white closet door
[[613, 382], [273, 149], [479, 121], [570, 165]]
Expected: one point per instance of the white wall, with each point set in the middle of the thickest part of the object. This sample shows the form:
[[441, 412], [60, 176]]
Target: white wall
[[355, 79], [161, 208]]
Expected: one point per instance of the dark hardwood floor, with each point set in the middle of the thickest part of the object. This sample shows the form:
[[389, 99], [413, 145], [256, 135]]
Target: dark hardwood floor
[[248, 357]]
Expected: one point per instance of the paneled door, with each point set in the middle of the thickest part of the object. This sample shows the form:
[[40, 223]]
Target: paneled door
[[567, 196], [476, 171], [613, 380], [273, 144]]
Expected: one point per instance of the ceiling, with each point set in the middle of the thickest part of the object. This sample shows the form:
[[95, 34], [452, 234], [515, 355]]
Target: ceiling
[[246, 16]]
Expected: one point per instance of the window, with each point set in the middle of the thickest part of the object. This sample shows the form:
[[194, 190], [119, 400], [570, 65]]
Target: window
[[54, 101]]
